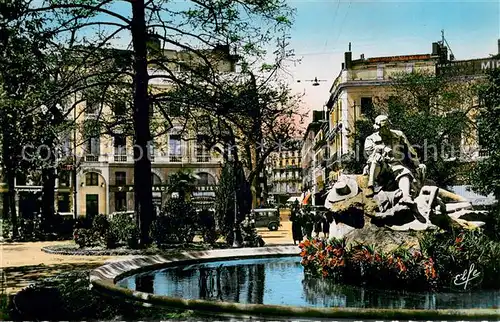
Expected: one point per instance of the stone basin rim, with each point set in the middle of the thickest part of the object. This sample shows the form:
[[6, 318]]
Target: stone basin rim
[[103, 280]]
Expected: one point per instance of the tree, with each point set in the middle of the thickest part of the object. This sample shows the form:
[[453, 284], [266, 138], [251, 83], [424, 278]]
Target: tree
[[190, 27], [485, 176], [224, 200], [435, 113], [22, 69], [182, 182]]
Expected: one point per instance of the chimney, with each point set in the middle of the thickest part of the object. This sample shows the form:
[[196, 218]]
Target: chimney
[[362, 56], [498, 44], [348, 60], [435, 49]]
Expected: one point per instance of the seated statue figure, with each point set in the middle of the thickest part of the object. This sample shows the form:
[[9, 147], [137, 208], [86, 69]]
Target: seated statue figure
[[390, 153]]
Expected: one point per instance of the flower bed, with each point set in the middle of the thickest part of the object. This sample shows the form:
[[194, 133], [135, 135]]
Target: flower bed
[[440, 263]]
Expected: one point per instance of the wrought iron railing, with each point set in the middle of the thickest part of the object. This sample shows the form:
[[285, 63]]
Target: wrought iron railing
[[120, 158], [91, 158]]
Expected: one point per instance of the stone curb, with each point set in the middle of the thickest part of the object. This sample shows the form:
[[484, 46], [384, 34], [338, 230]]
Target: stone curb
[[73, 251], [58, 250], [103, 280]]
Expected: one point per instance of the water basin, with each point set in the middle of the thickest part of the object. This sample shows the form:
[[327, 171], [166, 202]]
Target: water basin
[[281, 281]]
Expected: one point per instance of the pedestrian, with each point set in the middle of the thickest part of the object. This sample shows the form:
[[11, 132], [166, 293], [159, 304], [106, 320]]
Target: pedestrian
[[318, 223], [295, 218], [328, 219], [307, 221]]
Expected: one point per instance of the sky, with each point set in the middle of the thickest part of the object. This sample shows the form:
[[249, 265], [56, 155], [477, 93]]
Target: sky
[[323, 29]]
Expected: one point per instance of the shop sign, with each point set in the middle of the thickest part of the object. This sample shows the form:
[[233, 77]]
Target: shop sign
[[468, 67], [157, 188]]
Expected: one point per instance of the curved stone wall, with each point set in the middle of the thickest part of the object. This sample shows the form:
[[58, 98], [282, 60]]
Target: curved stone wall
[[103, 279]]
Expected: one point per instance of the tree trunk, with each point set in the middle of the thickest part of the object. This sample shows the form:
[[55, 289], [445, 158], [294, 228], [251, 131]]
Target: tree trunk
[[9, 175], [11, 195], [48, 195], [142, 164], [6, 205]]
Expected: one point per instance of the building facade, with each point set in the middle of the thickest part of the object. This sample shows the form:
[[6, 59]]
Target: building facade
[[361, 81], [312, 155], [96, 168], [284, 175]]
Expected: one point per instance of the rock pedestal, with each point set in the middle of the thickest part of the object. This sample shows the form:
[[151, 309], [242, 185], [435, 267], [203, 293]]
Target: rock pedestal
[[382, 221]]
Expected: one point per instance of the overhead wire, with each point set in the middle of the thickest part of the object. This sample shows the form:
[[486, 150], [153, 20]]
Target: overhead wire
[[333, 23], [342, 24]]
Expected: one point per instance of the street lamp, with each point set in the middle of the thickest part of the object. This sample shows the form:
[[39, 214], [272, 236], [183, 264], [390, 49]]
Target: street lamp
[[236, 228], [315, 81]]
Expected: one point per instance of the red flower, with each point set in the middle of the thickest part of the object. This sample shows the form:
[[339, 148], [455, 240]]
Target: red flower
[[458, 240], [400, 265]]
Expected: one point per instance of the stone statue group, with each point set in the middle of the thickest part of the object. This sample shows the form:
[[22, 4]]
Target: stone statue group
[[392, 189]]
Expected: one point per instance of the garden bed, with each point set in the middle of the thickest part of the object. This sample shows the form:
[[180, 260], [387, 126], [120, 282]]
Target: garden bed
[[75, 250], [442, 261]]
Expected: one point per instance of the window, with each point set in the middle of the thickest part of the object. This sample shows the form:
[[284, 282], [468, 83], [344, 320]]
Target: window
[[151, 150], [92, 179], [174, 147], [92, 146], [63, 202], [64, 178], [202, 154], [120, 178], [119, 108], [380, 72], [155, 180], [120, 145], [66, 146], [205, 179], [366, 105], [120, 201]]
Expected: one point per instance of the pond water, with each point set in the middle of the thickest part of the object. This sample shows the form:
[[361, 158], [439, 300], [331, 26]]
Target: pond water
[[281, 281]]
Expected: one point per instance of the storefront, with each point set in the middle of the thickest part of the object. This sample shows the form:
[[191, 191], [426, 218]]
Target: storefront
[[204, 197], [29, 203], [122, 197]]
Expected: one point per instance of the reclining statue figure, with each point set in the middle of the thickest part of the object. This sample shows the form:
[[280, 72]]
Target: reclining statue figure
[[390, 153]]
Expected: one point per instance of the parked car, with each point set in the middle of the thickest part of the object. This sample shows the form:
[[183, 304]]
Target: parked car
[[267, 217]]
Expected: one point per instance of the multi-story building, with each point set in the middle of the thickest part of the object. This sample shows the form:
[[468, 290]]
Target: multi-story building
[[362, 80], [284, 174], [312, 155], [104, 165], [353, 92]]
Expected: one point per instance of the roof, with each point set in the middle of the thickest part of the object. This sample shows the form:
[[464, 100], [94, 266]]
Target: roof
[[389, 59], [313, 126]]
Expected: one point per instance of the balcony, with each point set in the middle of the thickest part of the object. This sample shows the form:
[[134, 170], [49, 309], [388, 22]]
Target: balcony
[[175, 158], [202, 158], [120, 158], [91, 158], [483, 153]]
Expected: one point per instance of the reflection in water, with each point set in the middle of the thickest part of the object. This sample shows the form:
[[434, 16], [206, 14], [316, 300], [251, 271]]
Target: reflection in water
[[281, 281], [145, 283]]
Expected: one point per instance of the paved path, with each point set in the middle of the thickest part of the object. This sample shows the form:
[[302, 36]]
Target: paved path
[[24, 263]]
